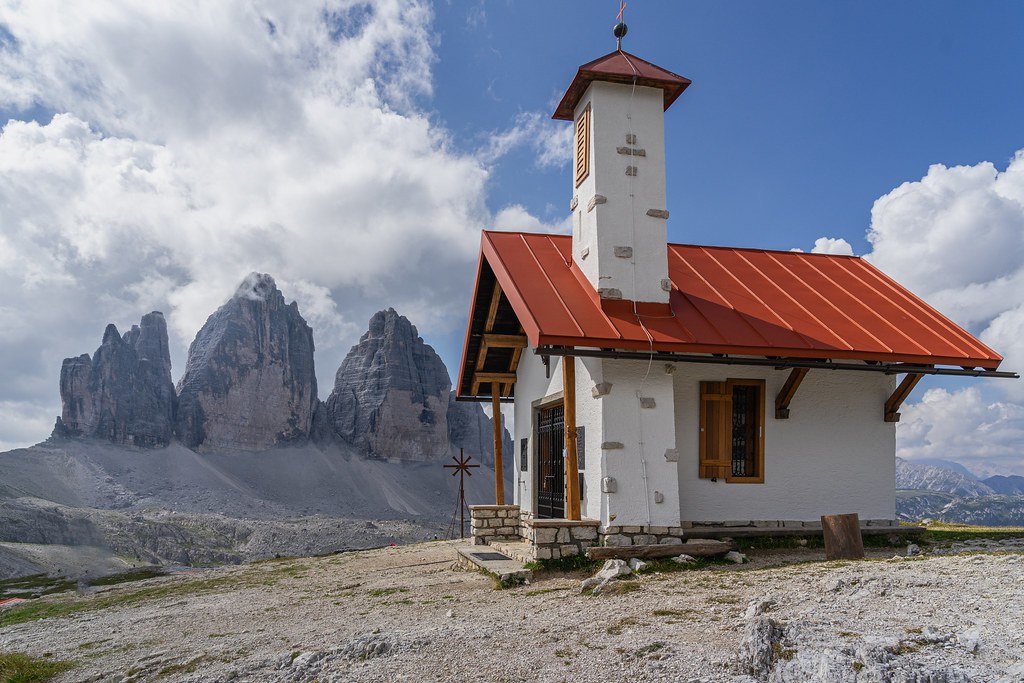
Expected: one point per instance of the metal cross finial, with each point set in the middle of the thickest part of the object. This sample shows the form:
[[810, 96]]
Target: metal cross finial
[[620, 28]]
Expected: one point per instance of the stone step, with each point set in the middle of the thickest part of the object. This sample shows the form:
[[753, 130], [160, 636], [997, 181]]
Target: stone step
[[491, 561], [518, 550]]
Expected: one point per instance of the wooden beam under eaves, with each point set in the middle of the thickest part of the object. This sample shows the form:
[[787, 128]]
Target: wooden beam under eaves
[[892, 406], [505, 341], [494, 377], [490, 339], [492, 312], [788, 392]]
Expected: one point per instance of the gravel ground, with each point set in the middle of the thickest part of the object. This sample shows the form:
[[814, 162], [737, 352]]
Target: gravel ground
[[405, 614]]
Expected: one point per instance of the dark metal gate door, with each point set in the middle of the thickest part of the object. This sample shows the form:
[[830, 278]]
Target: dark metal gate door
[[551, 463]]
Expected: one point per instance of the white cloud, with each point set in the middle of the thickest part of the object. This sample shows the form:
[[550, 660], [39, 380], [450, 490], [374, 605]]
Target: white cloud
[[515, 218], [550, 141], [829, 245], [986, 437], [956, 238], [196, 142]]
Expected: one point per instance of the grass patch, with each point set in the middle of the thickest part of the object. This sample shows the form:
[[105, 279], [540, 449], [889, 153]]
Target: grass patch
[[542, 591], [724, 599], [511, 581], [672, 613], [648, 650], [34, 586], [95, 643], [380, 592], [779, 542], [570, 563], [779, 652], [19, 668], [620, 587], [940, 532], [183, 668], [617, 628], [50, 609], [127, 577]]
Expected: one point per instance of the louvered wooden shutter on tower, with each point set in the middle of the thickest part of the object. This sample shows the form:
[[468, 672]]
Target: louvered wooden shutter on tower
[[715, 429], [583, 146]]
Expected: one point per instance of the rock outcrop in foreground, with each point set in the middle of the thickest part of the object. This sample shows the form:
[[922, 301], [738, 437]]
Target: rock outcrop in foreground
[[124, 393], [249, 382], [392, 398]]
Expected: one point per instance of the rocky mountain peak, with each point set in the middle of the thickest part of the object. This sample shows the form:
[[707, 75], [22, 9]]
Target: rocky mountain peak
[[259, 287], [392, 398], [390, 395], [388, 323], [919, 477], [249, 382], [124, 392]]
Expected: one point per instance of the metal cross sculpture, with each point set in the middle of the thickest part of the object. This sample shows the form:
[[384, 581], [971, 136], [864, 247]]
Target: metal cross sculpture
[[462, 467]]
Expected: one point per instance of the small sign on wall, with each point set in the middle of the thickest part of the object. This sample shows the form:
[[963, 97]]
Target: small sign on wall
[[581, 451], [524, 454]]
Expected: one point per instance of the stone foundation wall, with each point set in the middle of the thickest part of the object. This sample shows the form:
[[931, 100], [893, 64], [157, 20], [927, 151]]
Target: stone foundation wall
[[494, 523], [553, 539], [642, 535]]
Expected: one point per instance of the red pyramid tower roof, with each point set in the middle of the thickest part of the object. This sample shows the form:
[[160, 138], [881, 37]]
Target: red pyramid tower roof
[[620, 67]]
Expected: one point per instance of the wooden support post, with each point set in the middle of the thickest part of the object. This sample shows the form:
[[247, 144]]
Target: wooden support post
[[892, 406], [499, 471], [842, 537], [572, 468], [787, 393]]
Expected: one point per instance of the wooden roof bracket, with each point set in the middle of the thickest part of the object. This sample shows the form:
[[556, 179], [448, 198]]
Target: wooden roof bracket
[[892, 405], [788, 392]]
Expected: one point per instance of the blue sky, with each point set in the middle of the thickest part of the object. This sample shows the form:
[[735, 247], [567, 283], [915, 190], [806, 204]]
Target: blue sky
[[154, 155], [800, 115]]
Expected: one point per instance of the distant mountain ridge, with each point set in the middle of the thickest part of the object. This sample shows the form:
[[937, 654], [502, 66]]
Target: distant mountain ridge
[[914, 476], [932, 492]]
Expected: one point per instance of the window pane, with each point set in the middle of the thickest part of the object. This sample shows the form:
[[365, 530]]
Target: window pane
[[745, 401]]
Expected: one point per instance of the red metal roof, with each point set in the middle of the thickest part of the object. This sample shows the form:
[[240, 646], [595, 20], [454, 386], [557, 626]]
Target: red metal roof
[[731, 301], [620, 67]]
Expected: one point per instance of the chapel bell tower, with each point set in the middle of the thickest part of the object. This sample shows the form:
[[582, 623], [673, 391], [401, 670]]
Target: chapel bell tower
[[619, 212]]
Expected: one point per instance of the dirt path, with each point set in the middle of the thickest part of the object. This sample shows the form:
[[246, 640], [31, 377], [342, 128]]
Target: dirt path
[[403, 614]]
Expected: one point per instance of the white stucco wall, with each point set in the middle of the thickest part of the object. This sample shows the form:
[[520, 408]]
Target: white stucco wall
[[645, 434], [622, 221], [531, 384], [835, 454], [640, 468]]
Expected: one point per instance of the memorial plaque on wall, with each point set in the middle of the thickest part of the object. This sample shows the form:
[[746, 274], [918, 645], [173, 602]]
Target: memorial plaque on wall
[[581, 451], [524, 454]]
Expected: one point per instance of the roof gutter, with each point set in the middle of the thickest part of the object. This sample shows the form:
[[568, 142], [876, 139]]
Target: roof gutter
[[886, 368]]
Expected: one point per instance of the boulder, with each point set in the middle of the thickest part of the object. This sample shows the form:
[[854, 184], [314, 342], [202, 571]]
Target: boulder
[[613, 569]]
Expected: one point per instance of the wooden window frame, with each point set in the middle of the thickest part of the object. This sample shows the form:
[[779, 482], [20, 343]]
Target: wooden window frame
[[581, 154], [705, 459]]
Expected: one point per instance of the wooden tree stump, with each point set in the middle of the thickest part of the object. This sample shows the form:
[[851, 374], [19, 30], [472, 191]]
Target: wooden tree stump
[[842, 537]]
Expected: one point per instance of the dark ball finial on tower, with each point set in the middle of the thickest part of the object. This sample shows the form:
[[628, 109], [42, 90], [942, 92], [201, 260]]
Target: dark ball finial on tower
[[620, 31]]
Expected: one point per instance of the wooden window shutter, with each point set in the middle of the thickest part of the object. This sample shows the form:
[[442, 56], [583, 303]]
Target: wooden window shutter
[[583, 146], [715, 429]]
